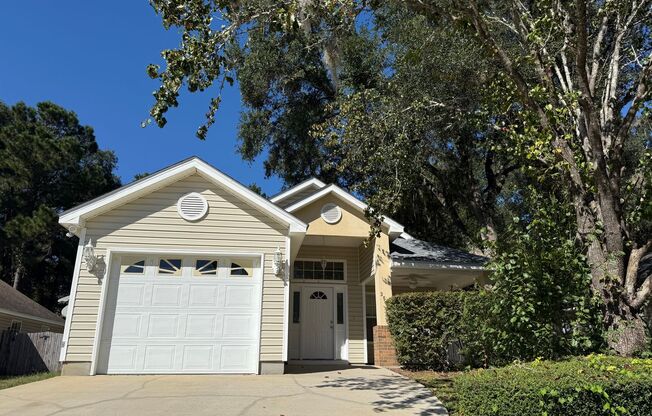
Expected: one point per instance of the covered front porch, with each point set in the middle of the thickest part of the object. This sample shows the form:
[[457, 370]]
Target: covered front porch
[[339, 285]]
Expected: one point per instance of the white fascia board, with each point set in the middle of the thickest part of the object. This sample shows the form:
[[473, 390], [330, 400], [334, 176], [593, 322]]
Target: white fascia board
[[394, 227], [76, 216], [303, 185], [425, 265]]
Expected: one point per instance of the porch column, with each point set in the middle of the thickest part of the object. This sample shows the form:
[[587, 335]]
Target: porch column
[[382, 277], [384, 352]]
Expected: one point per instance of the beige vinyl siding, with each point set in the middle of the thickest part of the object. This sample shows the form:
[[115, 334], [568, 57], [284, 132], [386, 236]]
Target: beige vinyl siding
[[304, 193], [354, 292], [28, 325], [366, 254], [152, 221]]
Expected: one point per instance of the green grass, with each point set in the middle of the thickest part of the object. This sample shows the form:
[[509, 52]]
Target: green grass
[[441, 384], [13, 381]]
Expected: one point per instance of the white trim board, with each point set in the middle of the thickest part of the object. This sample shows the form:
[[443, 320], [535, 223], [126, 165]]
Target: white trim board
[[394, 227], [73, 294], [303, 185], [76, 216], [110, 265], [286, 300]]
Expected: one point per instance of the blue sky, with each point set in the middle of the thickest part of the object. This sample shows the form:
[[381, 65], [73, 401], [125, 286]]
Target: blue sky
[[90, 57]]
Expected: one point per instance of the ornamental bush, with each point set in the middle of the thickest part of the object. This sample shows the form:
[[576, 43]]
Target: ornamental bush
[[444, 331], [585, 386], [424, 326]]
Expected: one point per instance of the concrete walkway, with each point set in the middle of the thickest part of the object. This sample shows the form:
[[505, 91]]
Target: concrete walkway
[[305, 391]]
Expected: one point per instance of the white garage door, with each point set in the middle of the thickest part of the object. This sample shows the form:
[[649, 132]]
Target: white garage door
[[174, 314]]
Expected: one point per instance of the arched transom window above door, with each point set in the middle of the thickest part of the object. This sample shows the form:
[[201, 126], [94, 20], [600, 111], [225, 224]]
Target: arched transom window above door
[[318, 295]]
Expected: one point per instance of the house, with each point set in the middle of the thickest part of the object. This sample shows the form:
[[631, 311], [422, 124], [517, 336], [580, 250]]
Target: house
[[189, 271], [21, 314]]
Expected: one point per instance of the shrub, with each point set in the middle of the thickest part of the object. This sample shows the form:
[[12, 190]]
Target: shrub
[[591, 386], [423, 325], [541, 286]]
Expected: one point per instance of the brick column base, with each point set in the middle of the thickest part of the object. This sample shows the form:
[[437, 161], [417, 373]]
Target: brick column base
[[384, 351]]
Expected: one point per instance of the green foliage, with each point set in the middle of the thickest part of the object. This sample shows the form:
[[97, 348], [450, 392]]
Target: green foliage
[[591, 386], [441, 114], [541, 302], [423, 325], [48, 163], [388, 107], [521, 317]]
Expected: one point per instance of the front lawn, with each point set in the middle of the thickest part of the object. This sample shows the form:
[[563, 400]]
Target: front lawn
[[13, 381]]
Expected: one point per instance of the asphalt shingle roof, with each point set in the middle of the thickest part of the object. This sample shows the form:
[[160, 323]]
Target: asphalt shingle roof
[[13, 300], [417, 250]]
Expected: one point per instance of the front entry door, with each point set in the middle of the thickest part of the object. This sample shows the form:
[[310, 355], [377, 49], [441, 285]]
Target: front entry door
[[317, 328]]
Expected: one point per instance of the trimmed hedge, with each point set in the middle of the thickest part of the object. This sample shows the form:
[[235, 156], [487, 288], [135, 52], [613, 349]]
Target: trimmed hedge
[[586, 386], [424, 325]]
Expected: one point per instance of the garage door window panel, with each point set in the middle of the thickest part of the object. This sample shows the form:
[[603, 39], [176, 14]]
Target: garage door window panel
[[205, 267], [241, 267], [169, 267], [131, 265]]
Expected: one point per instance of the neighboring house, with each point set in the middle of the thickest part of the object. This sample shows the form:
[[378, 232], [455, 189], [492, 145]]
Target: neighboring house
[[192, 272], [21, 314]]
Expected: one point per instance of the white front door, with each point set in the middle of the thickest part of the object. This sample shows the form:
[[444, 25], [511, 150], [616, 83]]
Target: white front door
[[317, 326]]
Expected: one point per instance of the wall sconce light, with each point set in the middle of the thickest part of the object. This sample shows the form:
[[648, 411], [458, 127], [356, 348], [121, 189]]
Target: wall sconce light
[[89, 256], [72, 230], [277, 263]]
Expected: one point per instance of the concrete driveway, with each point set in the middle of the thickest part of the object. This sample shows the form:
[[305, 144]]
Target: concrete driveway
[[306, 391]]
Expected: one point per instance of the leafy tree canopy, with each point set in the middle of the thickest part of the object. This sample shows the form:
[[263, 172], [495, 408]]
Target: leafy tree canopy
[[48, 163], [444, 112]]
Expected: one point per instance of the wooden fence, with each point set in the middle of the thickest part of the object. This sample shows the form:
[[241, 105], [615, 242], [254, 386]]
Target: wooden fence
[[36, 352]]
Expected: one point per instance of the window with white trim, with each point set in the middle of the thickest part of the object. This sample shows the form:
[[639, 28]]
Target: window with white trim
[[318, 270]]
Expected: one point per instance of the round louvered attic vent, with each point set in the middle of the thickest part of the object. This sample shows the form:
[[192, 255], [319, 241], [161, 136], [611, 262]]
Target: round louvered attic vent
[[192, 206], [331, 213]]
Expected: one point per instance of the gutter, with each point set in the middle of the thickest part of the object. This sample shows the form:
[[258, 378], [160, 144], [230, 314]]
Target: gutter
[[426, 265], [32, 317]]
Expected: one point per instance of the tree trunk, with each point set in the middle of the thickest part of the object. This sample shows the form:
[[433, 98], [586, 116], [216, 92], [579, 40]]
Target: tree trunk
[[626, 331], [18, 274], [625, 328]]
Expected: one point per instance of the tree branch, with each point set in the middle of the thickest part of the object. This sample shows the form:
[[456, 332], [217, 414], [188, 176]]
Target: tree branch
[[640, 97], [595, 59], [637, 298]]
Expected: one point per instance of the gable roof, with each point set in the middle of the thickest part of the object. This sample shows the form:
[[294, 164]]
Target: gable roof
[[395, 228], [157, 180], [312, 183], [15, 303], [411, 250]]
